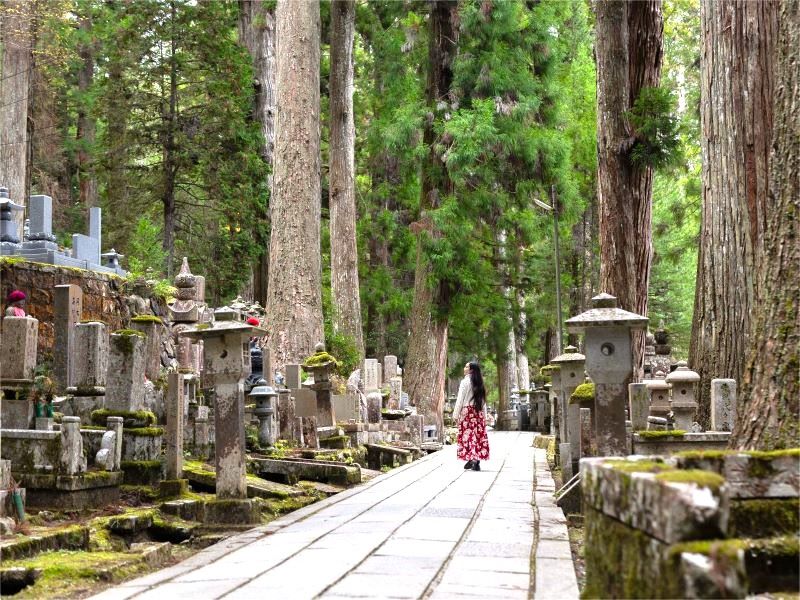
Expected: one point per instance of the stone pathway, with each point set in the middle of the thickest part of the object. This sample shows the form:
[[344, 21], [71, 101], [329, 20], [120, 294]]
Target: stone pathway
[[426, 530]]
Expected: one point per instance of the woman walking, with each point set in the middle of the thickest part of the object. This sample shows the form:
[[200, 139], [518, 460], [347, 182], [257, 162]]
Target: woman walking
[[470, 410]]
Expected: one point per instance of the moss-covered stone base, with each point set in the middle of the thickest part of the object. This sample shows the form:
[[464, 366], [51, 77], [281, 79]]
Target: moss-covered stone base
[[232, 512], [171, 488], [142, 472]]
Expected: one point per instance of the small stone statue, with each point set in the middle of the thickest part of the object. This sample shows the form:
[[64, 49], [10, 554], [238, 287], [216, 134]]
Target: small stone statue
[[279, 379], [15, 302]]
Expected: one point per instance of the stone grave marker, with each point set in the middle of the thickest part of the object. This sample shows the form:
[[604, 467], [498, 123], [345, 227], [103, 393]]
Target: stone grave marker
[[723, 404], [68, 308], [126, 367], [305, 402]]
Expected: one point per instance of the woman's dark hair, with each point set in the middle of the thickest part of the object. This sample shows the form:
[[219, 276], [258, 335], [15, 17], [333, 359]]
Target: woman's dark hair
[[478, 389]]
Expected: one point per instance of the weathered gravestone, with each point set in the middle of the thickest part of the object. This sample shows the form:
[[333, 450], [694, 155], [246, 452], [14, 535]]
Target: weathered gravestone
[[68, 308], [126, 366]]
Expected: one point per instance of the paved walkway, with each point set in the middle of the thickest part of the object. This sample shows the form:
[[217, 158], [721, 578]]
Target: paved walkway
[[426, 530]]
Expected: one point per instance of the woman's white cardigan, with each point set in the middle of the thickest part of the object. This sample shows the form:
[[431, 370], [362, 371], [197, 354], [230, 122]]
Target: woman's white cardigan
[[464, 398]]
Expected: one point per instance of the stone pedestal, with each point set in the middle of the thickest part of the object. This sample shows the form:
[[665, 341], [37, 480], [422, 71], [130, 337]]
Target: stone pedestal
[[125, 381], [67, 311], [374, 406], [152, 328], [174, 410], [17, 414], [586, 432], [389, 367], [226, 360], [293, 378], [20, 342], [90, 362], [723, 404], [639, 402], [395, 391]]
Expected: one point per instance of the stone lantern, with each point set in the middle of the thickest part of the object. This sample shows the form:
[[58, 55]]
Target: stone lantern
[[264, 396], [659, 395], [540, 408], [226, 361], [684, 404], [550, 409], [572, 364], [321, 365], [609, 361]]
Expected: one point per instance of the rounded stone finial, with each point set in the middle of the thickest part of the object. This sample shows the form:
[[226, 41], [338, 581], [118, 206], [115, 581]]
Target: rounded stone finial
[[319, 347], [570, 350]]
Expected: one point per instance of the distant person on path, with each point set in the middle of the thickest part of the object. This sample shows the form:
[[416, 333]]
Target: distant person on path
[[470, 410], [15, 301]]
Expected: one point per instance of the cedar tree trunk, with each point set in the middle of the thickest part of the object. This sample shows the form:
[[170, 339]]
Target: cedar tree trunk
[[628, 51], [346, 316], [769, 405], [426, 363], [257, 34], [294, 292], [736, 118]]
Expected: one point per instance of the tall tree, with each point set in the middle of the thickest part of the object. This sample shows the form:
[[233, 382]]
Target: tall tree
[[294, 298], [426, 362], [257, 33], [16, 34], [345, 294], [628, 51], [736, 116], [86, 124], [769, 407]]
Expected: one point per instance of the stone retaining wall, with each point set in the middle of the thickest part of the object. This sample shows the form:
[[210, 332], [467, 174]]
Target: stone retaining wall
[[103, 298], [699, 525]]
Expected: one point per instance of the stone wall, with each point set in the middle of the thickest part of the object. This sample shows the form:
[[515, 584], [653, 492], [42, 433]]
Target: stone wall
[[104, 297], [700, 525]]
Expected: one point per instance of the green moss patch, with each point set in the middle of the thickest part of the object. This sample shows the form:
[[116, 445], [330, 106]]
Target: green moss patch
[[764, 517], [147, 319], [320, 359], [647, 435], [640, 466], [69, 573], [583, 393], [145, 431], [137, 417], [707, 479], [547, 370]]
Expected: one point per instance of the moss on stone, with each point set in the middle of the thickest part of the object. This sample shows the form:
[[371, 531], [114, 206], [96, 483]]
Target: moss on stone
[[286, 505], [66, 573], [648, 435], [707, 479], [701, 454], [764, 517], [138, 416], [145, 431], [547, 370], [320, 359], [98, 477], [129, 332], [583, 393], [147, 319], [640, 466]]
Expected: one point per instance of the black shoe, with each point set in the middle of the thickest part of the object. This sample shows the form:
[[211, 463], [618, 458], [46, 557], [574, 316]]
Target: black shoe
[[469, 465], [476, 466]]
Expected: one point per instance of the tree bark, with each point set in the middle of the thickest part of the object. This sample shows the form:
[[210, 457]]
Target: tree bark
[[294, 292], [736, 120], [769, 403], [170, 165], [628, 51], [346, 317], [257, 34], [426, 364], [17, 61], [86, 126]]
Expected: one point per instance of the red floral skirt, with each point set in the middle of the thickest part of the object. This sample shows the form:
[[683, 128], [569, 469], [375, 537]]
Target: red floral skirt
[[473, 444]]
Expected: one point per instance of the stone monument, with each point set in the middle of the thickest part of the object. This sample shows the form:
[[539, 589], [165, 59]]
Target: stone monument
[[609, 358]]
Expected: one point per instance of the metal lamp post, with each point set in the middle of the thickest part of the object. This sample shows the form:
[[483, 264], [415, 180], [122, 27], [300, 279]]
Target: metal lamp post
[[557, 257]]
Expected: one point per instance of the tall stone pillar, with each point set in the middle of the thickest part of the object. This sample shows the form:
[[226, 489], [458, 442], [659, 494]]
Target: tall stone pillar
[[68, 309]]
